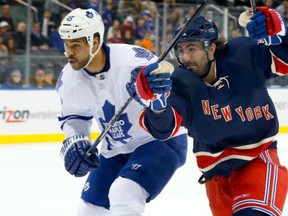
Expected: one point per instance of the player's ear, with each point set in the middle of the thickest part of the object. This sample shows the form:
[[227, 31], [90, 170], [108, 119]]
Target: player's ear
[[96, 42], [211, 51]]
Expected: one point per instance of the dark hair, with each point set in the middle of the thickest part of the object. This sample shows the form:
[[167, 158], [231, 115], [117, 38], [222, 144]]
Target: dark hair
[[220, 45], [95, 35]]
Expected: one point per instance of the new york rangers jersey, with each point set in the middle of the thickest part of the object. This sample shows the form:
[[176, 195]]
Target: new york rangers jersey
[[233, 120], [86, 96]]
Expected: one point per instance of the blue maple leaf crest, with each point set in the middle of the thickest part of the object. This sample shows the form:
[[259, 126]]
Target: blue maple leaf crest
[[89, 14], [119, 130], [69, 18], [142, 53]]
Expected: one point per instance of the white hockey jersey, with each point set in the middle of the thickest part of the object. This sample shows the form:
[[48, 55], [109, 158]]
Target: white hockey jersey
[[85, 96]]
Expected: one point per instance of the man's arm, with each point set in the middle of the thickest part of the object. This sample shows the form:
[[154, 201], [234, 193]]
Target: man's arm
[[151, 89], [267, 27], [162, 125]]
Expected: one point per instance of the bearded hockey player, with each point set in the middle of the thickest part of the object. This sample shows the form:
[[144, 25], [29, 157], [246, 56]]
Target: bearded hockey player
[[219, 94]]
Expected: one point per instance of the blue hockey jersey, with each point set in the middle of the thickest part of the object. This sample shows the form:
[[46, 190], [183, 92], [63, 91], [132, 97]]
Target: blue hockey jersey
[[233, 120]]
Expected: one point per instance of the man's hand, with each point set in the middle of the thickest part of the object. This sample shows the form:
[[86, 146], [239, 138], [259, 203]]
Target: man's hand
[[74, 155], [266, 26], [151, 85]]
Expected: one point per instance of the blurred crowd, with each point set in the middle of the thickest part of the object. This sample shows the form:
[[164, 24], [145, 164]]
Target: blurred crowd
[[126, 21]]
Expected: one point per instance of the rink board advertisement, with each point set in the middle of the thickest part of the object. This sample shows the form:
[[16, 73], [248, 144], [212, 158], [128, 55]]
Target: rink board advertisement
[[31, 115]]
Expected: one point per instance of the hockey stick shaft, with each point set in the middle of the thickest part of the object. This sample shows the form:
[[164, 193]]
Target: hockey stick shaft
[[160, 58], [253, 5]]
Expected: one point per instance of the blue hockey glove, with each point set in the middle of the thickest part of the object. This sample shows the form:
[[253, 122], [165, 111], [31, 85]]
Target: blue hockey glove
[[73, 152], [151, 85], [131, 88], [266, 26]]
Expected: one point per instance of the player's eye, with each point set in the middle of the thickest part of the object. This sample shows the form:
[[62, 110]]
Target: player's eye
[[75, 46]]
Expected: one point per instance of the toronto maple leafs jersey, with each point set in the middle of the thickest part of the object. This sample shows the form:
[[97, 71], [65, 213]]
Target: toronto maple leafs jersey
[[86, 95], [233, 120]]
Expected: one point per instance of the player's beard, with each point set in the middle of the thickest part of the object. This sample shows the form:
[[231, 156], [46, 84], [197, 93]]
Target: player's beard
[[200, 68], [79, 64]]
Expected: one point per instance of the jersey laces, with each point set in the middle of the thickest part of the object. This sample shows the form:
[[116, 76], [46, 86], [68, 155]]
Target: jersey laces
[[221, 82]]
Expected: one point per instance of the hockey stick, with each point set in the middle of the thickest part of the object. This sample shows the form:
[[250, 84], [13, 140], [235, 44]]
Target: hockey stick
[[244, 17], [253, 5], [160, 58]]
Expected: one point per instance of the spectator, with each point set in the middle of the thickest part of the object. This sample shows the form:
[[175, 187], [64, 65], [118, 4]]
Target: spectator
[[4, 30], [149, 23], [3, 48], [140, 29], [128, 25], [6, 16], [50, 80], [11, 46], [38, 40], [116, 24], [149, 5], [147, 42], [47, 24], [115, 38], [108, 15], [128, 39], [38, 80], [20, 36], [14, 80]]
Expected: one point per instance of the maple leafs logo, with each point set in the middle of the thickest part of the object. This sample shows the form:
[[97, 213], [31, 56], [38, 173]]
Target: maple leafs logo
[[142, 53], [119, 130], [89, 14]]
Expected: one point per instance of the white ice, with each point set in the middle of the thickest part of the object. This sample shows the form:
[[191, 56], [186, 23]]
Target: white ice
[[33, 182]]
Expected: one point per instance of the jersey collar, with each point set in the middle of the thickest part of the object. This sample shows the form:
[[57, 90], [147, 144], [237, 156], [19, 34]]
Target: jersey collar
[[107, 64]]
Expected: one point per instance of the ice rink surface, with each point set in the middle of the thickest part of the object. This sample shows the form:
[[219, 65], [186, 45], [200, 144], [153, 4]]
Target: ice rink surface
[[33, 182]]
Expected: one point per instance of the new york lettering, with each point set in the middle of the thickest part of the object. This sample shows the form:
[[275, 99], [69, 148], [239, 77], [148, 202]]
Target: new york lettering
[[245, 114]]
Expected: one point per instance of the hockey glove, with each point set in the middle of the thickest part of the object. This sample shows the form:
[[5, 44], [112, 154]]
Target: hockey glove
[[266, 26], [151, 85], [131, 88], [76, 161]]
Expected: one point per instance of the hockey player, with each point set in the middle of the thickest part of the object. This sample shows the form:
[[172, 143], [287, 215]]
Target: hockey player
[[219, 94], [133, 167]]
